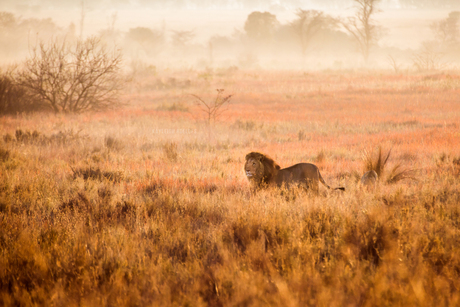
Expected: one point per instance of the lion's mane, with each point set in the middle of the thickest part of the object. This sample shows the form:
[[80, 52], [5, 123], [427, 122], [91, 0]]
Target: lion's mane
[[271, 168]]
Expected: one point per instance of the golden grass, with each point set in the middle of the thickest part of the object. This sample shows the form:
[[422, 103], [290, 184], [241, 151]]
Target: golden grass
[[141, 208]]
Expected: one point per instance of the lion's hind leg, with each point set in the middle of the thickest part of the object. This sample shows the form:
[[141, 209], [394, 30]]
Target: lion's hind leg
[[311, 186]]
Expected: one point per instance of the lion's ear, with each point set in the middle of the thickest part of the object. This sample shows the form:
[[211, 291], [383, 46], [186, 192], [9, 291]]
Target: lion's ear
[[278, 167]]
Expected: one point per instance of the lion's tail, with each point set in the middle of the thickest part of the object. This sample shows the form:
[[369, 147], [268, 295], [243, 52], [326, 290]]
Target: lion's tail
[[322, 180], [327, 186]]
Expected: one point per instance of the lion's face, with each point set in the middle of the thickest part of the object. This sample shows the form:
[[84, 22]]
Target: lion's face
[[254, 169]]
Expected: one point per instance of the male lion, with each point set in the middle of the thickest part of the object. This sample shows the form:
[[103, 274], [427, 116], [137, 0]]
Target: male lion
[[262, 171]]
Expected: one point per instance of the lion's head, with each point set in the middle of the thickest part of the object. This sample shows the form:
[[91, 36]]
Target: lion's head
[[260, 168]]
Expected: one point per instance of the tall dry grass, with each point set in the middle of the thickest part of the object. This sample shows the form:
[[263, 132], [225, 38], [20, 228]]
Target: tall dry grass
[[139, 209]]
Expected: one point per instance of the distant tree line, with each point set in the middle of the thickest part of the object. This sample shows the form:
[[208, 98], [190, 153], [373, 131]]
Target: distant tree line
[[311, 25], [16, 33], [66, 73]]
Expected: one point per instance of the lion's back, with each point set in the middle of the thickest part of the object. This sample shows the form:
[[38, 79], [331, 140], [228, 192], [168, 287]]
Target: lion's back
[[300, 172]]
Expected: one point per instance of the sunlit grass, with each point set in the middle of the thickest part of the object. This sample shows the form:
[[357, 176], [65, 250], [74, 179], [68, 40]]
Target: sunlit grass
[[139, 207]]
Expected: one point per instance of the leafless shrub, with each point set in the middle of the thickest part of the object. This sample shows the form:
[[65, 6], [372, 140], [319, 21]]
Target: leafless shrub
[[72, 78], [214, 109]]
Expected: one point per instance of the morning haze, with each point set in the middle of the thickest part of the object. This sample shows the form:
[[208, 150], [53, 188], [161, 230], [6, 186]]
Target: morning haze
[[204, 34]]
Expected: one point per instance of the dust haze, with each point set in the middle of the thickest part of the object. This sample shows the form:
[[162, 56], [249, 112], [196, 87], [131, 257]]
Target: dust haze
[[243, 34]]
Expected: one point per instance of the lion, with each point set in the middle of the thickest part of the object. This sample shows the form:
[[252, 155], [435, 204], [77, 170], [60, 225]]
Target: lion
[[262, 171], [369, 179]]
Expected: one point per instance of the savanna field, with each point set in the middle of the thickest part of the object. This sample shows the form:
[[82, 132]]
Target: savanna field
[[144, 205]]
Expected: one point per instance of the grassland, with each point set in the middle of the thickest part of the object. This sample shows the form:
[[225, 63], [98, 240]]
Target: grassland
[[141, 206]]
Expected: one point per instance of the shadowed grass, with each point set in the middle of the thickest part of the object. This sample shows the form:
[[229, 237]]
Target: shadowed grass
[[97, 174]]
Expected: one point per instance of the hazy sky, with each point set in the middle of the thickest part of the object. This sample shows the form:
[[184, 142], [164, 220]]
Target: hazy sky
[[228, 4]]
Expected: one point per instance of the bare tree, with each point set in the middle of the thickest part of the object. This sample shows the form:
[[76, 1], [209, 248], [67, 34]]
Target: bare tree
[[73, 78], [362, 27], [307, 25]]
